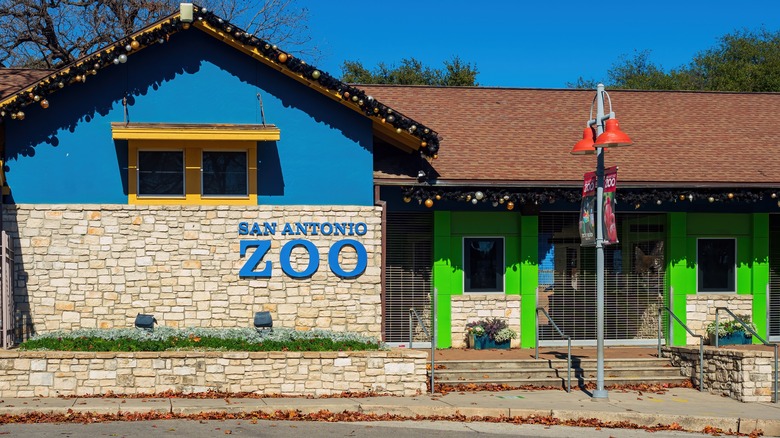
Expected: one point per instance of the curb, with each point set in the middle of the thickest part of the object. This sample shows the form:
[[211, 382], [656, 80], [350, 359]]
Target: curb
[[689, 423]]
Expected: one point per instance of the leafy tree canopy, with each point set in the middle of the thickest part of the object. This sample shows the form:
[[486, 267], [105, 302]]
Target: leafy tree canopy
[[412, 72], [746, 61]]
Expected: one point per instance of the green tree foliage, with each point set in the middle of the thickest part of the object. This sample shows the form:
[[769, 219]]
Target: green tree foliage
[[746, 61], [455, 73]]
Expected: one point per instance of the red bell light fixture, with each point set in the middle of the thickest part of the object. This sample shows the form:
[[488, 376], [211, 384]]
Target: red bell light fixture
[[585, 146], [612, 136]]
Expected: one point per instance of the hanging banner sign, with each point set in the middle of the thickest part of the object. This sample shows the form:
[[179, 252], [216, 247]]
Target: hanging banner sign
[[588, 209]]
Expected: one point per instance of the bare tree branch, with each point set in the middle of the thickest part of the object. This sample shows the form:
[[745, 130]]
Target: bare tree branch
[[49, 33]]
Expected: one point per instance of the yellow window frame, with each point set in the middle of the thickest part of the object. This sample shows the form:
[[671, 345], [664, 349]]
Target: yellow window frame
[[193, 157], [193, 139]]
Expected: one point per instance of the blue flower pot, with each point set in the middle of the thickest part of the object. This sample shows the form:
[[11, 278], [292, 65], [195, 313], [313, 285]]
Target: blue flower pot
[[736, 338], [484, 343]]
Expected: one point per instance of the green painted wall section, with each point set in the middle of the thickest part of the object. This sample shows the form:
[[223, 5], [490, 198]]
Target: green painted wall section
[[449, 230], [760, 271], [680, 272], [529, 278], [521, 265], [442, 276], [751, 232]]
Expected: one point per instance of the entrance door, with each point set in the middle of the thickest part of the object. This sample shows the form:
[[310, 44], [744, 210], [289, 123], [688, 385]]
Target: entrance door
[[409, 257], [633, 280]]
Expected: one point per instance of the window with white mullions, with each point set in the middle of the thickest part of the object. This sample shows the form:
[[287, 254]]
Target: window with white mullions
[[224, 174], [160, 173]]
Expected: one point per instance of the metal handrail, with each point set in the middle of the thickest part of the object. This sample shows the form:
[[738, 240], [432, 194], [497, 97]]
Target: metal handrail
[[416, 315], [701, 342], [753, 332], [568, 338]]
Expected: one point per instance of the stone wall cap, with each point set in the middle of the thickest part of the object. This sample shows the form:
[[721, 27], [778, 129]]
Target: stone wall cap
[[723, 351]]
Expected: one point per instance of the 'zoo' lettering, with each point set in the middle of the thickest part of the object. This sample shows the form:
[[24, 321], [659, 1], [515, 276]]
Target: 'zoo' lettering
[[263, 246]]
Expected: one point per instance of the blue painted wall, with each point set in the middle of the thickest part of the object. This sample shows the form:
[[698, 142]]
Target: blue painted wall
[[65, 154]]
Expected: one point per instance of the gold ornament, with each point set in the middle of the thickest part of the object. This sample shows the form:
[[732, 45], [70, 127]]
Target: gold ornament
[[435, 156], [510, 205], [407, 199], [185, 26], [429, 203], [682, 197], [20, 115], [315, 74], [438, 197], [282, 57], [44, 103], [135, 44], [424, 144], [731, 196], [398, 130]]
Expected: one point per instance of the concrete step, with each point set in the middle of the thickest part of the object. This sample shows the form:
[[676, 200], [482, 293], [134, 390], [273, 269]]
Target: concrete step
[[532, 373], [553, 372], [555, 363], [561, 381]]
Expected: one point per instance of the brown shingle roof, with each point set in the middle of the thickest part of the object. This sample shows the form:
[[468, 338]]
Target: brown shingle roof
[[523, 136], [14, 79]]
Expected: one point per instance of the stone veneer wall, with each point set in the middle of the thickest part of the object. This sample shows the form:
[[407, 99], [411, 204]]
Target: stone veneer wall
[[97, 266], [744, 375], [50, 373], [471, 307], [700, 310]]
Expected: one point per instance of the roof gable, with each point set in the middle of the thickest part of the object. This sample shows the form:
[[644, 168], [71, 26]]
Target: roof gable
[[388, 123]]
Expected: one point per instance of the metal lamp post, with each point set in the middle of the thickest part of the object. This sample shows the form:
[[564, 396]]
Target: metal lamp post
[[601, 131]]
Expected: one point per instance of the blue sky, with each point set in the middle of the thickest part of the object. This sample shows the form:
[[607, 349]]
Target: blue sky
[[522, 43]]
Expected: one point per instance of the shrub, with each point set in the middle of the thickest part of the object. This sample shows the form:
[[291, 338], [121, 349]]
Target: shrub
[[730, 326], [495, 328], [167, 338]]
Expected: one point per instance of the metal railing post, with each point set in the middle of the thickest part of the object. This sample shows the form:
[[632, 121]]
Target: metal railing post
[[411, 328], [660, 321], [717, 326], [433, 337], [536, 318]]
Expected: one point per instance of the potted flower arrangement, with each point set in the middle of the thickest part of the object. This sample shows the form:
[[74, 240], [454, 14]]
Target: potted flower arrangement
[[489, 333], [730, 332]]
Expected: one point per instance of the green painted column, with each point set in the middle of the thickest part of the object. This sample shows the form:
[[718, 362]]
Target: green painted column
[[529, 278], [442, 276], [760, 272], [680, 273]]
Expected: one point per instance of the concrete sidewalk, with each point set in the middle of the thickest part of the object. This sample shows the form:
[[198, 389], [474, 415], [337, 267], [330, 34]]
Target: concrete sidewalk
[[689, 408]]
